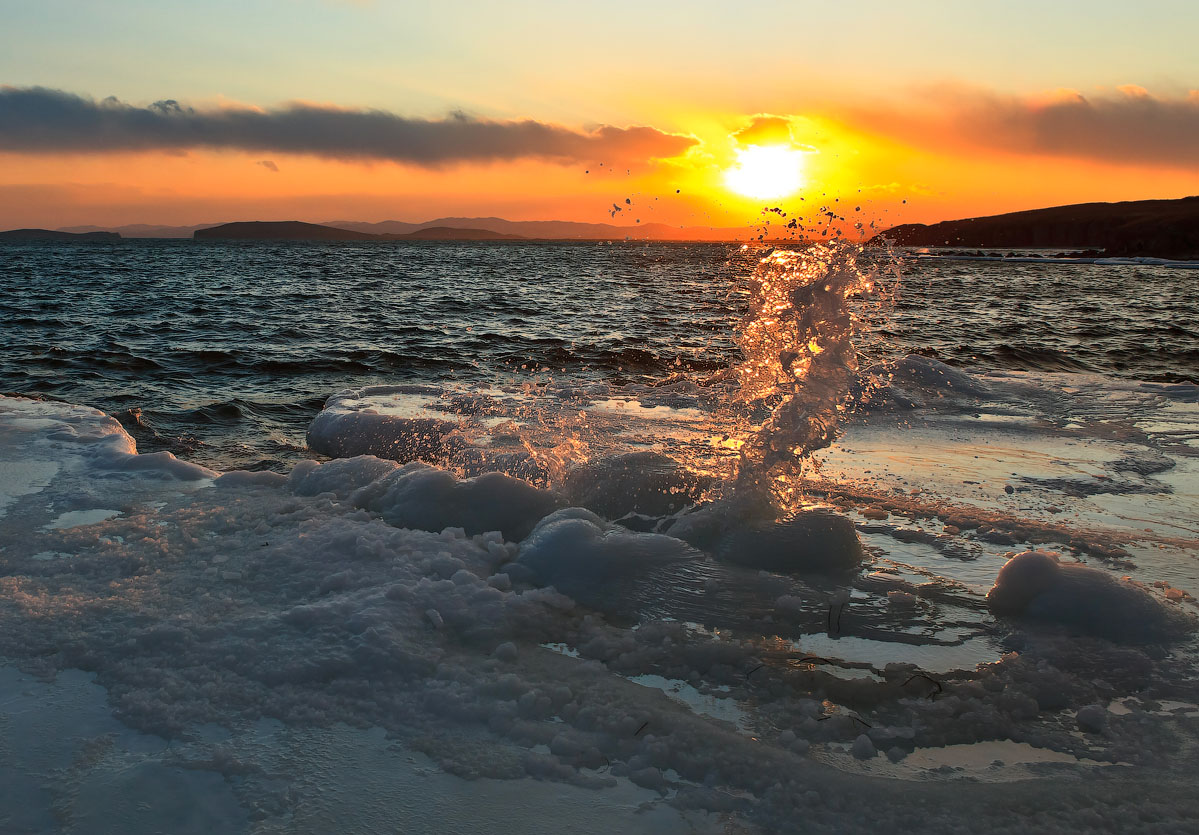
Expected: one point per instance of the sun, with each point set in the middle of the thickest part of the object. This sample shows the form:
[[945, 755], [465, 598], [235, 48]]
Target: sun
[[766, 171]]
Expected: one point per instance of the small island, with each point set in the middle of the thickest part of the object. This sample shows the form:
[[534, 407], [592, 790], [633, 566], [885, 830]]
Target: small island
[[33, 235]]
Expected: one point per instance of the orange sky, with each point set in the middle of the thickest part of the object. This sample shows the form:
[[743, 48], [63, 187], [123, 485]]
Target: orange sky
[[901, 132]]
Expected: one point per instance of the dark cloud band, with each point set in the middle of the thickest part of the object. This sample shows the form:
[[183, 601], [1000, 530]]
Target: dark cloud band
[[1132, 126], [39, 119], [1128, 126]]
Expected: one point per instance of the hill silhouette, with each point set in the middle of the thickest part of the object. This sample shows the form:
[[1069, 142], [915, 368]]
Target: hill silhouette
[[56, 235], [1158, 228]]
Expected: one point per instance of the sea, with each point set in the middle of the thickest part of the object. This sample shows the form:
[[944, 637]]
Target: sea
[[224, 352]]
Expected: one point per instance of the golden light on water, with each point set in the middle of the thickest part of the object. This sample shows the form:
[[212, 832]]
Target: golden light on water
[[766, 171]]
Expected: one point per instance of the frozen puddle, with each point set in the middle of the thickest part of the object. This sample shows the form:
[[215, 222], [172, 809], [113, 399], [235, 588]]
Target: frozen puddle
[[997, 761], [23, 478], [723, 708], [66, 766], [79, 518]]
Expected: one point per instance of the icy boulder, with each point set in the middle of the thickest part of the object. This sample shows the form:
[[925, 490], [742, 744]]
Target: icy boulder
[[648, 483], [421, 497], [581, 555], [921, 381], [355, 422], [341, 476], [818, 541], [1035, 586], [47, 436]]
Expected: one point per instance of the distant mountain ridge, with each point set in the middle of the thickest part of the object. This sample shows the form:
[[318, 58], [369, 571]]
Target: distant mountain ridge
[[56, 235], [141, 230], [535, 229], [295, 230], [558, 229], [279, 230], [1158, 228]]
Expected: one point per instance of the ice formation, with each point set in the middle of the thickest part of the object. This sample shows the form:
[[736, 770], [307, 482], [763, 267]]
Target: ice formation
[[1035, 585]]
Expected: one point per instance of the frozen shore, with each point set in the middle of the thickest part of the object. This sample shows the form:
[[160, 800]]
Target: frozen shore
[[383, 643]]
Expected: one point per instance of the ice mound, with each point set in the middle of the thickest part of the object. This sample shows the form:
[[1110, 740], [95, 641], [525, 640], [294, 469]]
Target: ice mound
[[352, 423], [579, 553], [918, 381], [646, 483], [810, 541], [425, 498], [1036, 586], [46, 443], [340, 477], [817, 541]]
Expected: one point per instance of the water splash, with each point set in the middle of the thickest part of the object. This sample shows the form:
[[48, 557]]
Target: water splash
[[807, 339], [807, 336]]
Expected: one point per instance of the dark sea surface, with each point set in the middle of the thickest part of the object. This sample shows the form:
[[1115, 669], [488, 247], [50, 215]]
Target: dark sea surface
[[223, 352]]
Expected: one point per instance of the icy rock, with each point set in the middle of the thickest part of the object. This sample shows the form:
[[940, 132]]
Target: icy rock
[[343, 429], [1036, 586], [648, 778], [917, 380], [577, 552], [435, 618], [863, 748], [421, 497], [1092, 718], [340, 477], [245, 478], [647, 483], [789, 603], [506, 652], [815, 541]]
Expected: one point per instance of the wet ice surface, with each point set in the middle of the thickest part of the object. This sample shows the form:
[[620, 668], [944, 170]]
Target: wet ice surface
[[68, 766], [313, 660]]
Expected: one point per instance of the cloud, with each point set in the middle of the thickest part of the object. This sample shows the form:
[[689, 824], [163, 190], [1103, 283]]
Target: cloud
[[38, 119], [1129, 125], [269, 165], [765, 129]]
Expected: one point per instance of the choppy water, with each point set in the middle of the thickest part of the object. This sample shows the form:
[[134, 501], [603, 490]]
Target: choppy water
[[223, 353]]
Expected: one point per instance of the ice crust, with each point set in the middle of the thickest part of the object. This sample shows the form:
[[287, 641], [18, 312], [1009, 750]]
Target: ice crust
[[363, 592]]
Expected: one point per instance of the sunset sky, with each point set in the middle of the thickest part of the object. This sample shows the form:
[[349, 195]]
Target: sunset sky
[[372, 110]]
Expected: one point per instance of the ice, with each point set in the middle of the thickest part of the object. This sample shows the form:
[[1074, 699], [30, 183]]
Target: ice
[[863, 748], [1037, 586], [810, 541], [578, 553], [107, 779], [21, 478], [717, 707], [367, 644], [426, 498], [77, 518]]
